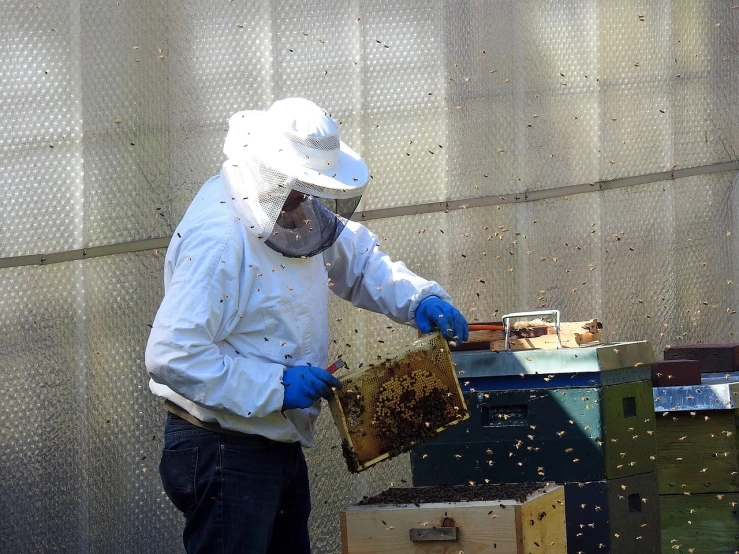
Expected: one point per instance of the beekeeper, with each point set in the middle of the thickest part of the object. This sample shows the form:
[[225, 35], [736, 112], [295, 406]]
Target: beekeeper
[[240, 342]]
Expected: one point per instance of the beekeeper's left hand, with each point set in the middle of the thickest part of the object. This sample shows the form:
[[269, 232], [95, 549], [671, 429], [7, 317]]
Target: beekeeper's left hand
[[434, 313]]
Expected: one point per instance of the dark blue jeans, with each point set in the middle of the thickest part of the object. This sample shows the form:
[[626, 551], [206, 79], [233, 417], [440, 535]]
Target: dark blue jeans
[[239, 494]]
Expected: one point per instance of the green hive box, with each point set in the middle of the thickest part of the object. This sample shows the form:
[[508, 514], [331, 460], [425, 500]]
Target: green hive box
[[697, 438], [700, 523], [616, 516], [572, 415], [697, 466]]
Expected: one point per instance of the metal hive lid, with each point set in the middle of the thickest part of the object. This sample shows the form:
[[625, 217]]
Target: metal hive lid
[[603, 357]]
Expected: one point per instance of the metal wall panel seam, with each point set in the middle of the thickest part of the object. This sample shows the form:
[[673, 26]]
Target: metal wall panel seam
[[85, 253], [556, 192], [384, 213]]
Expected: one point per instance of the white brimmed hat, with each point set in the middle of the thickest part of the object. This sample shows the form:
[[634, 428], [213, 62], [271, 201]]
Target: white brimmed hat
[[299, 139]]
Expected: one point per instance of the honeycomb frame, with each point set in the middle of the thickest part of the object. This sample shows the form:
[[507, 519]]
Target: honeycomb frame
[[392, 406]]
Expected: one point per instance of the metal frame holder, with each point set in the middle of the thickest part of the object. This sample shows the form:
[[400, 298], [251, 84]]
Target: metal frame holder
[[508, 317]]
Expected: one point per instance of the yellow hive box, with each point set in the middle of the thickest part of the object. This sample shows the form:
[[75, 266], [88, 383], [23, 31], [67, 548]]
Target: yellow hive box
[[534, 524], [392, 406]]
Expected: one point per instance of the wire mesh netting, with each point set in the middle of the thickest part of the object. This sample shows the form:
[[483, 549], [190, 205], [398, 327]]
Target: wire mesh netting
[[115, 113]]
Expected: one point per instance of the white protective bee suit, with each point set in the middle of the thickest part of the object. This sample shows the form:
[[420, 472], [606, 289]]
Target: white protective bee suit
[[236, 312]]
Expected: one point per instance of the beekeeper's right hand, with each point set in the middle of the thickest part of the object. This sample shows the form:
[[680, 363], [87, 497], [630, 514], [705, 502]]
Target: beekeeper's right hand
[[306, 384]]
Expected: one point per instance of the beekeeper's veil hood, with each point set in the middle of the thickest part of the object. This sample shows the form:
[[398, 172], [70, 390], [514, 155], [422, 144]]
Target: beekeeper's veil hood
[[292, 146]]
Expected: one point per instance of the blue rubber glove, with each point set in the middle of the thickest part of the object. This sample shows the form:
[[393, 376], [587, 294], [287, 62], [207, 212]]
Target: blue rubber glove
[[433, 313], [305, 384]]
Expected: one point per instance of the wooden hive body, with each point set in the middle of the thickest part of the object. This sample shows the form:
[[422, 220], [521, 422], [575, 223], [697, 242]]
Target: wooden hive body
[[585, 432], [534, 525], [613, 516], [697, 466], [581, 417], [714, 358], [575, 434]]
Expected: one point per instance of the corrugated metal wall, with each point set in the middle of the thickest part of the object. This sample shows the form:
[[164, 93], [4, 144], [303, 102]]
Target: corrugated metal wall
[[529, 117]]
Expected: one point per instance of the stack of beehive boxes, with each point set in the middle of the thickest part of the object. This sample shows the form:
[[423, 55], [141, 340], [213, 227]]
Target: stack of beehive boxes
[[390, 407], [697, 465], [582, 417]]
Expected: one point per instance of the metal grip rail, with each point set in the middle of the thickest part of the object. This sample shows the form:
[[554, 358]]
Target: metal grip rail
[[508, 317]]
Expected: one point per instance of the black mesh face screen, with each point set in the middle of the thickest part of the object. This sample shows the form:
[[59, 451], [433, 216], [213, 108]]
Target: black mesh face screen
[[344, 207], [311, 226]]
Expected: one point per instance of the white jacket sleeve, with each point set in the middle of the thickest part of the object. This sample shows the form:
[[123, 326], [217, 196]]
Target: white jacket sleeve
[[186, 347], [364, 275]]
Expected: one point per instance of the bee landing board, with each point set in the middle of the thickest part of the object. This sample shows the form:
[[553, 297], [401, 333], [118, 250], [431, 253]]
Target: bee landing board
[[398, 403]]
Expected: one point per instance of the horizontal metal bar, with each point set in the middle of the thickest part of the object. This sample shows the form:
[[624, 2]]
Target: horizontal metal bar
[[383, 213], [84, 253], [704, 169], [556, 192], [560, 192]]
